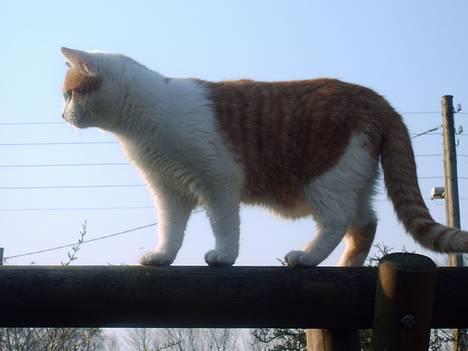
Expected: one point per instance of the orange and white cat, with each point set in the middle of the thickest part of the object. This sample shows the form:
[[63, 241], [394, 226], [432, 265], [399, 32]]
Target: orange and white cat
[[300, 148]]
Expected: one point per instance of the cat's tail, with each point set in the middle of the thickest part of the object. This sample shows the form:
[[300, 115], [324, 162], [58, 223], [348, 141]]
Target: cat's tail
[[399, 169]]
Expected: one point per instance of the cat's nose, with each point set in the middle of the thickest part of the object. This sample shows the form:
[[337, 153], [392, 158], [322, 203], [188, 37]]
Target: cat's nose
[[63, 115]]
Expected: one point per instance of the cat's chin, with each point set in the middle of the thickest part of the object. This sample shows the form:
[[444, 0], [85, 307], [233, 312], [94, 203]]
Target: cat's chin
[[79, 123]]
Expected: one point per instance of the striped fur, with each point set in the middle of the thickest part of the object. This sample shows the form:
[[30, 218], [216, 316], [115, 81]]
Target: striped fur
[[294, 130], [300, 148], [400, 177]]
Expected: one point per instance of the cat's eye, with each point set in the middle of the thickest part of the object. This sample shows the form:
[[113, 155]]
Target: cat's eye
[[68, 94]]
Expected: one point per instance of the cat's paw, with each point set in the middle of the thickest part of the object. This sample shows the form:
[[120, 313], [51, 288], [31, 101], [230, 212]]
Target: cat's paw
[[218, 258], [300, 259], [155, 258]]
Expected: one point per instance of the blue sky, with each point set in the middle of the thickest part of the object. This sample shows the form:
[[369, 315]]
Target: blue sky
[[410, 52]]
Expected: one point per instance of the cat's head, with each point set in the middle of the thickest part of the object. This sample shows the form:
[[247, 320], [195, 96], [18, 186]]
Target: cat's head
[[91, 88]]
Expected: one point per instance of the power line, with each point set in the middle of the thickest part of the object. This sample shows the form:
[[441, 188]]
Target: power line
[[115, 142], [52, 209], [426, 199], [71, 186], [434, 133], [421, 112], [430, 113], [107, 236], [425, 132], [39, 165], [61, 143], [438, 155], [415, 135], [83, 242], [440, 177], [66, 165], [428, 155], [30, 123], [127, 185]]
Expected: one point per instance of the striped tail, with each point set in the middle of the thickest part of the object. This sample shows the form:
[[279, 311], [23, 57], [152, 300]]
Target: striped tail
[[399, 169]]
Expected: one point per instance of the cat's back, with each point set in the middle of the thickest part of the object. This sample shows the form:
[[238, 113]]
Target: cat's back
[[294, 130], [326, 110]]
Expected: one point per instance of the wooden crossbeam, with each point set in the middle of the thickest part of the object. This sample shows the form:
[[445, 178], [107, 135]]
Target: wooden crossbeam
[[244, 297]]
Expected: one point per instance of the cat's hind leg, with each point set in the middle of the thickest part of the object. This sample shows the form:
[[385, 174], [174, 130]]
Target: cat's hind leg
[[358, 241], [361, 233], [331, 230], [333, 211], [334, 198]]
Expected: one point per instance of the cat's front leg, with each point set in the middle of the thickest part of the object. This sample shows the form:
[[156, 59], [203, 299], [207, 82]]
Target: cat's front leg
[[223, 211], [173, 213]]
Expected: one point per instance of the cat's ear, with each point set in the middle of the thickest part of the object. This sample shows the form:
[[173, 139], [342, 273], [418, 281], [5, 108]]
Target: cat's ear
[[83, 61]]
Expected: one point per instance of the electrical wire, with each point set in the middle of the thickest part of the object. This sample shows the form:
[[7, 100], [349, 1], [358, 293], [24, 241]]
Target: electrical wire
[[416, 135], [103, 186], [421, 112], [65, 165], [83, 242], [426, 199], [50, 209], [61, 143], [30, 123], [39, 165], [440, 177], [428, 155], [72, 186], [102, 237], [431, 113], [426, 132], [27, 123], [438, 155]]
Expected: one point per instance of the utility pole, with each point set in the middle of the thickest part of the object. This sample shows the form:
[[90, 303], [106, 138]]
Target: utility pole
[[452, 206]]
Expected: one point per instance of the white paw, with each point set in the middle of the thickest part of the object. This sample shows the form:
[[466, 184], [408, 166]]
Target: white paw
[[155, 258], [300, 259], [218, 258]]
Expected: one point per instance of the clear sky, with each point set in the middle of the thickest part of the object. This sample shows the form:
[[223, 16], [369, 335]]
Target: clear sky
[[412, 52]]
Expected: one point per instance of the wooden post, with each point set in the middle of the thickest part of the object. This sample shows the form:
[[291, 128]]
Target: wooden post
[[452, 206], [404, 302], [333, 340], [1, 256]]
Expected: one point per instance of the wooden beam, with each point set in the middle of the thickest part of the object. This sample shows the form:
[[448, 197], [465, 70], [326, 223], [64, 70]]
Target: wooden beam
[[135, 296]]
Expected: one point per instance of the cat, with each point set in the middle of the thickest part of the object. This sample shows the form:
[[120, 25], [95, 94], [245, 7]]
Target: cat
[[299, 148]]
